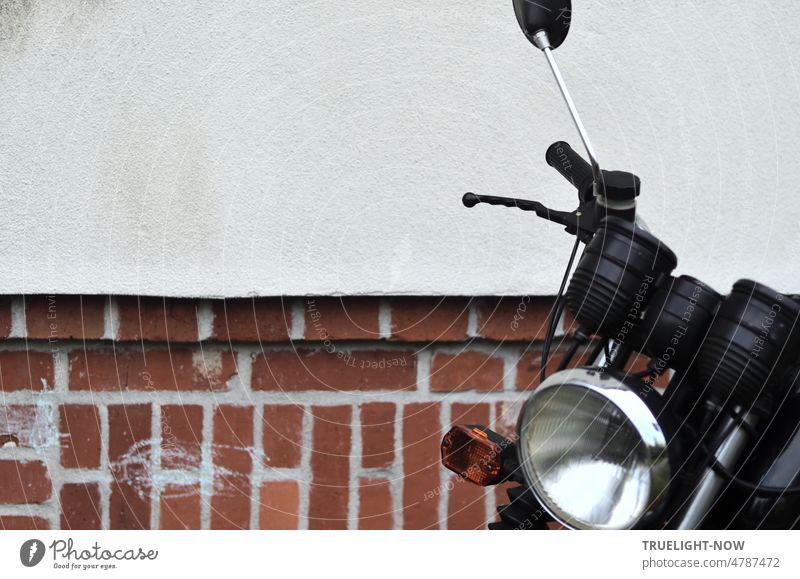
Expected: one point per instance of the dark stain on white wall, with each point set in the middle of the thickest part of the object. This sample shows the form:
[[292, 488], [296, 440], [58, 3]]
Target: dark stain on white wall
[[15, 17]]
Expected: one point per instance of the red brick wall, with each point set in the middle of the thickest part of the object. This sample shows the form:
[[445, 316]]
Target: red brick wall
[[327, 413]]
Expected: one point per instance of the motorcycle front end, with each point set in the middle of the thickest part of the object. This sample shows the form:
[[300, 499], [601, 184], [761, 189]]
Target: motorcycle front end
[[597, 447]]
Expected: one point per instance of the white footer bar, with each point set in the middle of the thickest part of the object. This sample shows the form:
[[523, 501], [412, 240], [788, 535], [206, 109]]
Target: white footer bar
[[406, 554]]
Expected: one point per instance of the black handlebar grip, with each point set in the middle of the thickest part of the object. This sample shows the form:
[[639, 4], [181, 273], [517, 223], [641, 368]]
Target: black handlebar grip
[[571, 166]]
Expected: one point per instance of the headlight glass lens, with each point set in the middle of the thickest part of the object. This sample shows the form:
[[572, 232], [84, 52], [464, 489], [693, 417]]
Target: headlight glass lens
[[591, 463]]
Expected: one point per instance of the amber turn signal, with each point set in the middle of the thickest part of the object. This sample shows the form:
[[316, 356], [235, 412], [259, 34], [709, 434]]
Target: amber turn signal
[[467, 451]]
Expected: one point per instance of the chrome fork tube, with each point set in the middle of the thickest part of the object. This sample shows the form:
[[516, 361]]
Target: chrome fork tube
[[711, 484]]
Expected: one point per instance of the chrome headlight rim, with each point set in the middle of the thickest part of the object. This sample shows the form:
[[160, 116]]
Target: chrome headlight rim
[[643, 408]]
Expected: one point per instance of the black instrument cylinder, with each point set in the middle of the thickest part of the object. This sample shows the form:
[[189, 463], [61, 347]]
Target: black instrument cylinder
[[750, 344], [616, 276], [676, 321]]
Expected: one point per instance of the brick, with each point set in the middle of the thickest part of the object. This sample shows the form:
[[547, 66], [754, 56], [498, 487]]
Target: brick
[[514, 318], [181, 436], [64, 317], [530, 362], [233, 463], [27, 425], [466, 413], [341, 319], [422, 438], [252, 320], [375, 508], [529, 365], [180, 507], [233, 438], [130, 457], [429, 319], [26, 370], [5, 324], [466, 371], [24, 482], [377, 434], [466, 505], [639, 363], [506, 417], [80, 506], [280, 505], [157, 319], [23, 523], [292, 371], [283, 435], [79, 427], [134, 369], [330, 466]]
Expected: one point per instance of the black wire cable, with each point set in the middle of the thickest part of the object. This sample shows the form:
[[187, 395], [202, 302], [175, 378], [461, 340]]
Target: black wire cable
[[731, 477], [569, 355], [555, 313], [758, 490]]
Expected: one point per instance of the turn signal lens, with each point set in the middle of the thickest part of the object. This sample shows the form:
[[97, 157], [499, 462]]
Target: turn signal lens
[[468, 452]]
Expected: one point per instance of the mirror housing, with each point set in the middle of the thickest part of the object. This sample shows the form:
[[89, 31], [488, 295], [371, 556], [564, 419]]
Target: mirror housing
[[553, 16]]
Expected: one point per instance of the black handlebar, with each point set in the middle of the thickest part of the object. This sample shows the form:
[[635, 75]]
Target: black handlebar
[[619, 189], [572, 167], [471, 200]]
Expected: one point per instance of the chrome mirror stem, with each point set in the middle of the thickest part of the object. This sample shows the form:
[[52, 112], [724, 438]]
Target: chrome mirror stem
[[542, 42]]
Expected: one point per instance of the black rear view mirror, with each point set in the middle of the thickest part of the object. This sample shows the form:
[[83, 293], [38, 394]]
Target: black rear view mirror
[[552, 16]]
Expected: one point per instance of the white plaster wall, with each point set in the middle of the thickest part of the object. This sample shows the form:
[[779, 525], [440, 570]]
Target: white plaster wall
[[289, 147]]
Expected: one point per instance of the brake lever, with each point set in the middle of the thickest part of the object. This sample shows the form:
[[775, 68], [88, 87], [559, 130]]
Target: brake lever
[[579, 222]]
